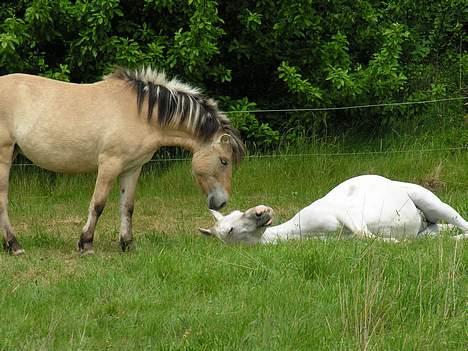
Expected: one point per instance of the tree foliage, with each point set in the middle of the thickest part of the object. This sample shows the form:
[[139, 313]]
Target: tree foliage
[[265, 53]]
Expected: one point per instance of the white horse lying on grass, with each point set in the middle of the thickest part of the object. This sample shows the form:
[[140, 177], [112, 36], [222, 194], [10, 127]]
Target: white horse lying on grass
[[366, 206]]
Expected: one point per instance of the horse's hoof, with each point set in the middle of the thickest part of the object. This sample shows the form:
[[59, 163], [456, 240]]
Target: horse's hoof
[[89, 252], [85, 248], [126, 245], [461, 236], [17, 252], [13, 247]]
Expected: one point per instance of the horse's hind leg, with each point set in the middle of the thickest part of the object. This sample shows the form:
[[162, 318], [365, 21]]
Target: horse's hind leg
[[433, 208], [128, 182], [434, 229], [107, 173], [9, 239]]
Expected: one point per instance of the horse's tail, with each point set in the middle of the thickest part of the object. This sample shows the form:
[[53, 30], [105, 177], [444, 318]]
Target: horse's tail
[[433, 208]]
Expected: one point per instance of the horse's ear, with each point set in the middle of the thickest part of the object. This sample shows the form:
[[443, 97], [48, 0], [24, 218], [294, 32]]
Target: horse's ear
[[224, 139], [205, 231], [217, 215]]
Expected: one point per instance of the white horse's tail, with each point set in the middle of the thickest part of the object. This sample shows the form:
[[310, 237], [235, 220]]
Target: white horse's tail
[[433, 208]]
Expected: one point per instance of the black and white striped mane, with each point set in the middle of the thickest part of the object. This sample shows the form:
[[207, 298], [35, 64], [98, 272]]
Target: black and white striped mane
[[179, 104]]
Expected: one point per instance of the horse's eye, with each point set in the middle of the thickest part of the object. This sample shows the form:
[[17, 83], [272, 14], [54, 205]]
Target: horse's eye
[[223, 161], [230, 230]]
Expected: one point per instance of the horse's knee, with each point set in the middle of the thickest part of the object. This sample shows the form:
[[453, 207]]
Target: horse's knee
[[129, 210]]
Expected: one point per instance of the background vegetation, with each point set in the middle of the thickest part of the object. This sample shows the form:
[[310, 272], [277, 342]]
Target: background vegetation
[[181, 291], [261, 54]]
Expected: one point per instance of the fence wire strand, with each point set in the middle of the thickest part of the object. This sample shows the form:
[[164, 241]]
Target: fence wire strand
[[337, 154], [312, 154], [350, 107]]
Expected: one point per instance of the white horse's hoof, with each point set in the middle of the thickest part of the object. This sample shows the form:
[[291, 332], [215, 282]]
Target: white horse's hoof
[[390, 240], [461, 237]]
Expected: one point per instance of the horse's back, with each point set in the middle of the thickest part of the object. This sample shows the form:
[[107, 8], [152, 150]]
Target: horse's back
[[65, 127], [357, 187], [24, 96]]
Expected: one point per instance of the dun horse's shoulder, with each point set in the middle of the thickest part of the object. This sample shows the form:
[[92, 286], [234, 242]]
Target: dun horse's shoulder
[[15, 77], [42, 83], [23, 77], [16, 81]]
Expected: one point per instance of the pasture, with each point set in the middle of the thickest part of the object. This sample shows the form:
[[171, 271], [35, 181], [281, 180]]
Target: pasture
[[179, 290]]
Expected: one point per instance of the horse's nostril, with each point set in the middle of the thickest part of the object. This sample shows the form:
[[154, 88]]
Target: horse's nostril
[[211, 204], [217, 199], [216, 206]]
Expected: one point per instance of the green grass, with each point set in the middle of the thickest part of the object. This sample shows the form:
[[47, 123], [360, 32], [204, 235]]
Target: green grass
[[178, 290]]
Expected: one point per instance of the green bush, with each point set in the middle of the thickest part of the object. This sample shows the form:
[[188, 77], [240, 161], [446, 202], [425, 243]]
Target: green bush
[[272, 53]]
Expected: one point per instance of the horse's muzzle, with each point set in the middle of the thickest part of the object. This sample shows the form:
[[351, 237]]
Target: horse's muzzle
[[217, 199]]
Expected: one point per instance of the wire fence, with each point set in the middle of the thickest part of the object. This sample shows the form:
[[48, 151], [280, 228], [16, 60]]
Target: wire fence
[[316, 109], [325, 154], [312, 154]]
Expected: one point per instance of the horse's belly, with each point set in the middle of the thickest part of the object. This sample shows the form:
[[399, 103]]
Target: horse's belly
[[384, 207], [61, 162], [60, 157], [397, 217], [56, 145]]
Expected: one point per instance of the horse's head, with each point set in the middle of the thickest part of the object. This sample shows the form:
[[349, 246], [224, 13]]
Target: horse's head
[[212, 168], [241, 227]]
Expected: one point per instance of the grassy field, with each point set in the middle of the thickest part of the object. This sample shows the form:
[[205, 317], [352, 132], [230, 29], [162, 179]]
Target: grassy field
[[178, 290]]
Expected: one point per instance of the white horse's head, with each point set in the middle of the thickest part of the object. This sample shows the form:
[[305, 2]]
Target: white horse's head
[[241, 227]]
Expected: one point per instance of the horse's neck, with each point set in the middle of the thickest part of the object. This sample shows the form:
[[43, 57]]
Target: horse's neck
[[184, 139], [286, 231], [317, 218]]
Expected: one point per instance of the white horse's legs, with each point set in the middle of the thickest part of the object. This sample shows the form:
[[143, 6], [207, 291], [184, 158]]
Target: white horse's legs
[[461, 236], [433, 208], [353, 221], [9, 239], [128, 182], [432, 229], [435, 229], [107, 173]]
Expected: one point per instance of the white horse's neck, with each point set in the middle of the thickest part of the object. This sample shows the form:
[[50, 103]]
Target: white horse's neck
[[285, 231], [316, 219]]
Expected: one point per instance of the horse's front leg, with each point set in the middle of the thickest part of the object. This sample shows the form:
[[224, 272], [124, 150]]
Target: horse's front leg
[[9, 239], [128, 182], [107, 173]]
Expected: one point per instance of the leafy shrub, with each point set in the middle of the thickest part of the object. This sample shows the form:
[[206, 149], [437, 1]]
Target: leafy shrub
[[260, 135], [267, 53]]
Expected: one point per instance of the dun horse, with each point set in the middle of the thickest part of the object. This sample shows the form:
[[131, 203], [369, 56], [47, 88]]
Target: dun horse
[[113, 127]]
